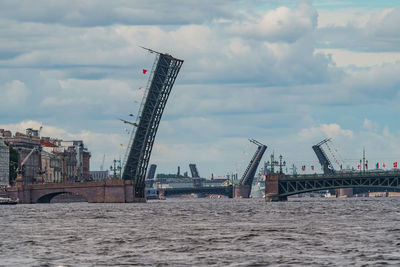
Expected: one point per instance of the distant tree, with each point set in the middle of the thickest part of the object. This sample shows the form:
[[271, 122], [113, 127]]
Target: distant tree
[[13, 163]]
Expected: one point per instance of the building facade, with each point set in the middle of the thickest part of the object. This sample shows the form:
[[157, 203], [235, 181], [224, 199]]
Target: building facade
[[53, 159], [28, 147], [51, 167], [4, 163], [86, 165]]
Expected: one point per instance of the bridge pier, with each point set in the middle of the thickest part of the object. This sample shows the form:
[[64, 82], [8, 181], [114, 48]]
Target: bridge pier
[[272, 188], [241, 191]]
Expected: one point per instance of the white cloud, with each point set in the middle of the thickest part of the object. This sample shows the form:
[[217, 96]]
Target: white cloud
[[370, 125], [279, 25], [332, 130]]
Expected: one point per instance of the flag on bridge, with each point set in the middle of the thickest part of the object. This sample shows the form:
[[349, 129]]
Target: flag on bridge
[[384, 165], [144, 71], [377, 165], [395, 164]]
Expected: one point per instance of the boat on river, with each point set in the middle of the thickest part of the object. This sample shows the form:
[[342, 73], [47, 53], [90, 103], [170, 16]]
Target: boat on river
[[7, 201]]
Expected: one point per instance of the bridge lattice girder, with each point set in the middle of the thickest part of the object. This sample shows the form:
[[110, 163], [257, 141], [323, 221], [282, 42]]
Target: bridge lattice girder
[[251, 169], [139, 151], [322, 158], [292, 185]]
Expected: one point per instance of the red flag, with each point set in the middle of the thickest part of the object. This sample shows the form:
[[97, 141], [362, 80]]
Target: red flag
[[140, 88], [395, 164], [341, 166], [377, 165], [384, 165], [358, 166], [144, 71], [312, 167]]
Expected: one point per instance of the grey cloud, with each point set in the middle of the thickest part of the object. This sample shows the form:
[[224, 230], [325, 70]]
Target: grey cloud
[[103, 12], [380, 34]]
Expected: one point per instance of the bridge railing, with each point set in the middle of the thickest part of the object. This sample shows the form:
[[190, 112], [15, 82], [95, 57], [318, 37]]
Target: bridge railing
[[370, 174]]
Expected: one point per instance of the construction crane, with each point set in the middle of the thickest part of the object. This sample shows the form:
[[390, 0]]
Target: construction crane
[[21, 165], [26, 158]]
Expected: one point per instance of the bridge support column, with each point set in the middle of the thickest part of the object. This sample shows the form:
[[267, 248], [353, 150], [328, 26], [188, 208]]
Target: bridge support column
[[22, 192], [344, 192], [161, 193], [139, 194], [241, 191], [272, 188]]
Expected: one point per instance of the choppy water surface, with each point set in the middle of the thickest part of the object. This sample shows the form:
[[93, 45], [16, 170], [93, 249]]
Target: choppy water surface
[[199, 232]]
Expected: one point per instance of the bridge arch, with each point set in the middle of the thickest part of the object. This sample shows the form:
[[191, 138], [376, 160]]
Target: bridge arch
[[45, 196], [48, 197]]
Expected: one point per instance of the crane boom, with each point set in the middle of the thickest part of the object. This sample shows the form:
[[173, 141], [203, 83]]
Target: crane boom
[[27, 157], [102, 162]]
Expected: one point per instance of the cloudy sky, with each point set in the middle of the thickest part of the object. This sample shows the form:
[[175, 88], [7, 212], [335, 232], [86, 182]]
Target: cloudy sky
[[287, 73]]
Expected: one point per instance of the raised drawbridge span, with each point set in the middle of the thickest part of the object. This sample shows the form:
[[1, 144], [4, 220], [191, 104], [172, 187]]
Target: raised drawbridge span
[[162, 77], [322, 157], [279, 186], [243, 190]]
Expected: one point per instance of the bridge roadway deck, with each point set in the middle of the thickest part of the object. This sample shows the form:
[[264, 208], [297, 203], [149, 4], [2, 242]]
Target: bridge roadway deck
[[216, 190], [281, 186]]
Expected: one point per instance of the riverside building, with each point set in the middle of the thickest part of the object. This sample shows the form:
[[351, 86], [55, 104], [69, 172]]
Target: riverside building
[[4, 163]]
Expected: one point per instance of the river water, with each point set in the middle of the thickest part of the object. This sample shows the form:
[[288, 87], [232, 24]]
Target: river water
[[202, 232]]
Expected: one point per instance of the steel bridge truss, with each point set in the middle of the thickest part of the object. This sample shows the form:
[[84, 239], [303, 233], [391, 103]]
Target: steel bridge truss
[[322, 158], [163, 75], [292, 185], [251, 169]]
